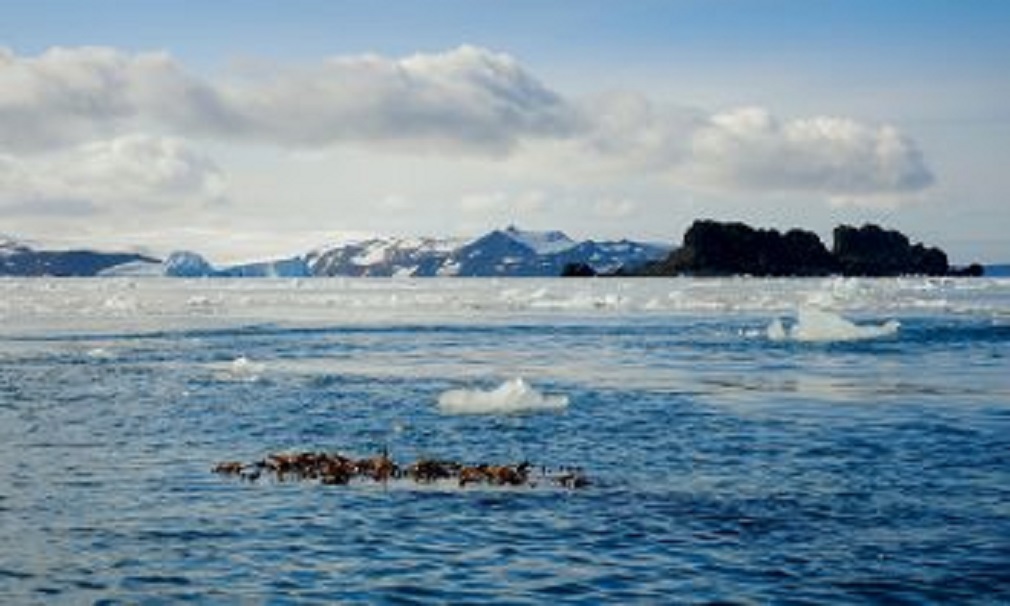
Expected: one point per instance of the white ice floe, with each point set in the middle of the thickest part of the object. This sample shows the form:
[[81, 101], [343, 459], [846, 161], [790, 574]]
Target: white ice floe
[[818, 325], [120, 303], [242, 369], [512, 396]]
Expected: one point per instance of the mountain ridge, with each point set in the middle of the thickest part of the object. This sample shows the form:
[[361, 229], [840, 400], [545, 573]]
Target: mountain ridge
[[508, 252], [708, 248]]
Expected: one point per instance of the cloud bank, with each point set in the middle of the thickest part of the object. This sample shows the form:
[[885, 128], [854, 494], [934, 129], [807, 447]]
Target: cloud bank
[[466, 99], [749, 149], [85, 127], [136, 172]]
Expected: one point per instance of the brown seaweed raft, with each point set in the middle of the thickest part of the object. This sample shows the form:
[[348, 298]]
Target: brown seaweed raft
[[338, 469]]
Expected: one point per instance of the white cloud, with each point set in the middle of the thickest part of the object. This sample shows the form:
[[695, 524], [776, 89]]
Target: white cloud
[[467, 99], [482, 203], [514, 204], [132, 173], [61, 96], [72, 109], [748, 149], [743, 151], [615, 208], [138, 166], [530, 202], [631, 132]]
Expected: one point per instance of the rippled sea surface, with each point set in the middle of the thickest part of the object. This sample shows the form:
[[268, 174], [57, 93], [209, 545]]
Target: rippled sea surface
[[729, 463]]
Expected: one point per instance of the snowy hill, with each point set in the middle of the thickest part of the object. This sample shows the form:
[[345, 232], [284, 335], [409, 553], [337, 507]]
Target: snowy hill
[[20, 259], [294, 267], [11, 246], [187, 264]]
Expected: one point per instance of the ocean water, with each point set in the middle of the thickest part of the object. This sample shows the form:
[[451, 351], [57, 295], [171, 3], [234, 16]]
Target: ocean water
[[748, 441]]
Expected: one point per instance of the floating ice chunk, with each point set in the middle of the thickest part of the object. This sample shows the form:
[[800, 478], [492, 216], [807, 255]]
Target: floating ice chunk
[[776, 331], [120, 303], [514, 395], [199, 301], [243, 369], [818, 325]]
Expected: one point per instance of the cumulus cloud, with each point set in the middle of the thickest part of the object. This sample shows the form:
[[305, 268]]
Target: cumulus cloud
[[134, 171], [749, 149], [466, 99], [136, 165], [68, 95], [58, 97], [630, 131]]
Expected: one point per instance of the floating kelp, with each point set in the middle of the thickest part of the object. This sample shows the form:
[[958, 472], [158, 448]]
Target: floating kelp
[[339, 469]]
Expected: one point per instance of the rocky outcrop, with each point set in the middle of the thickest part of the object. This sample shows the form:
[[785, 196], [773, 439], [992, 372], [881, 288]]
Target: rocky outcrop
[[719, 249], [578, 270], [872, 251], [712, 248]]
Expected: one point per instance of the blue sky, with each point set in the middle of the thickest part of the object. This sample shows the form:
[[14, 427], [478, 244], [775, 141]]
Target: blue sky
[[607, 119]]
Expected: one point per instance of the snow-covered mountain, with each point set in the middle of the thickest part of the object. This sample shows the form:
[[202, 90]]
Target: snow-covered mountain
[[188, 264], [294, 267], [505, 252], [383, 257], [500, 253]]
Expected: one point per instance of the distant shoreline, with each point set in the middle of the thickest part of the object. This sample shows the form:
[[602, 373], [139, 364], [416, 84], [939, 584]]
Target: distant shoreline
[[709, 249]]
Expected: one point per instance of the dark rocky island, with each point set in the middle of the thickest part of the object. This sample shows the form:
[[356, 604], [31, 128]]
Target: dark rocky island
[[712, 248]]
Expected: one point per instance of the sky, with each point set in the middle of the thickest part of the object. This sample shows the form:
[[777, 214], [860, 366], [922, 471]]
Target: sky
[[251, 129]]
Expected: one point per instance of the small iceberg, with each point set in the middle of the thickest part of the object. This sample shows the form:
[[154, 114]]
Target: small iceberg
[[99, 353], [242, 369], [817, 325], [512, 396]]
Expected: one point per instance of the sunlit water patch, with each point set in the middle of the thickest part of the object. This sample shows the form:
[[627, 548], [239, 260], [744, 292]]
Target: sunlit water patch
[[867, 465]]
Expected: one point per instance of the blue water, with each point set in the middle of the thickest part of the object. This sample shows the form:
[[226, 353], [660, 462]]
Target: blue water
[[726, 467]]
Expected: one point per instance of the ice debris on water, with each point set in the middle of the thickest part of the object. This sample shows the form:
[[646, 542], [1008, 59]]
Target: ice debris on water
[[242, 369], [98, 353], [818, 325], [513, 396]]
